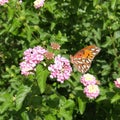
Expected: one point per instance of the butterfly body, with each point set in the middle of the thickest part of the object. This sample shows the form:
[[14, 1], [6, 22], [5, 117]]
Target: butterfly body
[[83, 58]]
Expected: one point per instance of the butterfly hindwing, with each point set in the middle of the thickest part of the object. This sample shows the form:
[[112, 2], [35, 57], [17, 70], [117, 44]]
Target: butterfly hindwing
[[82, 59], [82, 65]]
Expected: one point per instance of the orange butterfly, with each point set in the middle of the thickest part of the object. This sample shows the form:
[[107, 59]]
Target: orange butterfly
[[82, 59]]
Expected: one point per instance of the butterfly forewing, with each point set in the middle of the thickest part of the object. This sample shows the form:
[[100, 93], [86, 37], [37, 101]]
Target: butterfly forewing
[[82, 59]]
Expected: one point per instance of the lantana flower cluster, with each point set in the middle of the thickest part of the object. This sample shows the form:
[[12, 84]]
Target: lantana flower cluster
[[117, 82], [31, 58], [2, 2], [61, 69], [91, 88]]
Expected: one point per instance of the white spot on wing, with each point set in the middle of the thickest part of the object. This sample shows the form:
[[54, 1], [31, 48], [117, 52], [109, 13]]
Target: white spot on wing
[[93, 49], [87, 61]]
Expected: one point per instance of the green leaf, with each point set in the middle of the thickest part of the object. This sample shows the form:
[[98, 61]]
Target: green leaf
[[50, 6], [113, 3], [101, 98], [14, 26], [2, 118], [52, 26], [69, 104], [10, 13], [24, 116], [50, 117], [109, 41], [20, 96], [38, 118], [115, 98], [67, 115], [82, 105], [106, 69], [103, 94], [6, 101], [117, 34], [66, 108], [95, 2], [41, 76]]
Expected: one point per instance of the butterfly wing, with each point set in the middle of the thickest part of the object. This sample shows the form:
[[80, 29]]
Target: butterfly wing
[[82, 59]]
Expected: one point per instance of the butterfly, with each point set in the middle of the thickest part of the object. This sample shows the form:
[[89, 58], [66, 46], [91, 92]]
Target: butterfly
[[83, 58]]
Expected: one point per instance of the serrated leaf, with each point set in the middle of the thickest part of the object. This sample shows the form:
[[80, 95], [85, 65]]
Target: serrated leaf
[[20, 96], [41, 76], [82, 105]]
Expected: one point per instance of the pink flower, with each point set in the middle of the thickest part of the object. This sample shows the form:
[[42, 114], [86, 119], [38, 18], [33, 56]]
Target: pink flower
[[31, 58], [61, 69], [117, 83], [26, 68], [35, 55], [88, 79], [20, 1], [92, 91], [2, 2], [38, 3]]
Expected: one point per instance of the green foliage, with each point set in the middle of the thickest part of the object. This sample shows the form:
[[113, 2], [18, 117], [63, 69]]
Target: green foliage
[[41, 76], [82, 105], [73, 24], [20, 96]]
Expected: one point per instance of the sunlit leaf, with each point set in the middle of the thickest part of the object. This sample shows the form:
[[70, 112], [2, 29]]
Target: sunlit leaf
[[41, 76], [50, 117], [6, 101], [81, 105], [117, 34], [115, 98], [113, 3], [25, 116], [20, 96], [95, 2]]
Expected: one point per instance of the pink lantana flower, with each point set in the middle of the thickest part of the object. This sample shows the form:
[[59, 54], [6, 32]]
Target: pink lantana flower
[[92, 91], [31, 58], [2, 2], [117, 82], [61, 69], [38, 3], [88, 79], [35, 55], [26, 68]]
